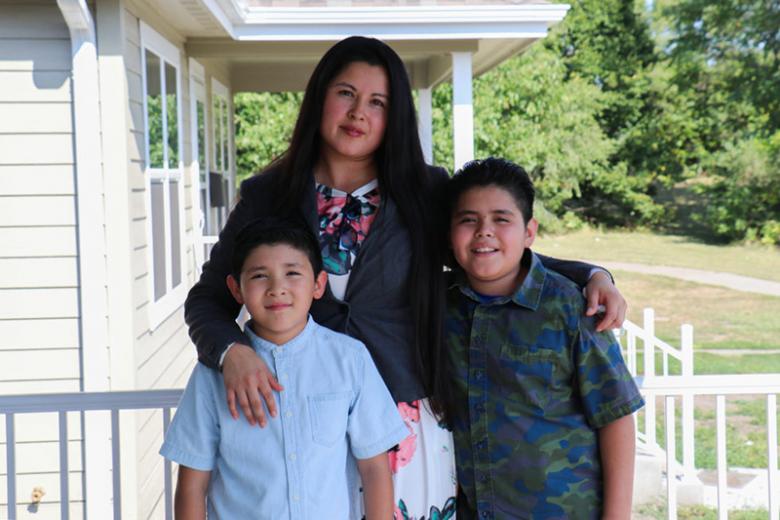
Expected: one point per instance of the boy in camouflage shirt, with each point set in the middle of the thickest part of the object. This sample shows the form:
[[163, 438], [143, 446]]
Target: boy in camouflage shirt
[[541, 403]]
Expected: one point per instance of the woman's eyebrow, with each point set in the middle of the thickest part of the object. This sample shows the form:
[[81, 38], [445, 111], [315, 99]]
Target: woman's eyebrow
[[352, 87], [344, 84]]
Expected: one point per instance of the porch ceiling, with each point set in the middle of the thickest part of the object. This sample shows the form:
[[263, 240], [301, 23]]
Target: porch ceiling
[[273, 45], [286, 66]]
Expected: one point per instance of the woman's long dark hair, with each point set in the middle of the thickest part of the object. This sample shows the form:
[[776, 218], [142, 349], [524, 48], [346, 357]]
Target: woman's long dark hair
[[402, 175]]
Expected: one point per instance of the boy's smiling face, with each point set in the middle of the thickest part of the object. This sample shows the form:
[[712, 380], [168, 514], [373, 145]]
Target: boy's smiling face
[[277, 286], [488, 236]]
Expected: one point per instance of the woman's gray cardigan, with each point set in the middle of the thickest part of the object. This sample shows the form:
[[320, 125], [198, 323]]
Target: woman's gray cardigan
[[375, 309]]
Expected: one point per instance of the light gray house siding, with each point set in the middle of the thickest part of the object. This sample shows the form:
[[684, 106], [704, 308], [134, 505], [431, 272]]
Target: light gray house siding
[[164, 355], [40, 337], [39, 279]]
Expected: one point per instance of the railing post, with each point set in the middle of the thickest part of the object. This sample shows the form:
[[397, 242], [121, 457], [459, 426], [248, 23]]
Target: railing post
[[10, 462], [722, 464], [64, 467], [671, 448], [649, 373], [689, 462], [771, 438]]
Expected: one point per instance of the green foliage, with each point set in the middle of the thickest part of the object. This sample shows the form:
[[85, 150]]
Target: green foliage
[[564, 111], [443, 152], [264, 124], [743, 197], [616, 105], [156, 138], [726, 58]]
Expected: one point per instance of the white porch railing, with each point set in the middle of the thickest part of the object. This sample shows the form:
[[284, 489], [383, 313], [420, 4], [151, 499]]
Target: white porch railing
[[686, 385], [652, 384], [720, 386], [114, 402]]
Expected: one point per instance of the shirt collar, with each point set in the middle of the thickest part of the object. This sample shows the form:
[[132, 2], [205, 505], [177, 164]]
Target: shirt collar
[[291, 347], [527, 295], [358, 192]]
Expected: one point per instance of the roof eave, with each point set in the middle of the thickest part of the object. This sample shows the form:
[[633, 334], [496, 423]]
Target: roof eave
[[388, 23]]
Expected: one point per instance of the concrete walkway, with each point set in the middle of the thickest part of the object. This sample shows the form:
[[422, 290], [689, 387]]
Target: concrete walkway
[[728, 280]]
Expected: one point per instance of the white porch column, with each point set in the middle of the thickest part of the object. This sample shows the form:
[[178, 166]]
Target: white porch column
[[93, 308], [425, 122], [462, 109]]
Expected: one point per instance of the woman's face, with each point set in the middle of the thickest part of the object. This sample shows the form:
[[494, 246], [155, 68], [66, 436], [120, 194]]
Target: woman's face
[[354, 114]]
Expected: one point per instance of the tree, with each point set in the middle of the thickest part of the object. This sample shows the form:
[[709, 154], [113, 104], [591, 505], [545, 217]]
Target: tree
[[607, 43], [726, 57], [264, 124]]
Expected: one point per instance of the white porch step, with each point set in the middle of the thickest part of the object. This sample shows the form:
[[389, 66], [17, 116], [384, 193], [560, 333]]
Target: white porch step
[[649, 476], [747, 487]]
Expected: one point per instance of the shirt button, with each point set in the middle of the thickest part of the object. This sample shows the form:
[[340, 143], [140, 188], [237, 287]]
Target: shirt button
[[479, 407], [482, 477], [292, 456], [288, 414], [295, 498]]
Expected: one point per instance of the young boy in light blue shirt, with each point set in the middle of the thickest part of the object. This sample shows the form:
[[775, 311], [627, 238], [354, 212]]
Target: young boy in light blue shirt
[[334, 402]]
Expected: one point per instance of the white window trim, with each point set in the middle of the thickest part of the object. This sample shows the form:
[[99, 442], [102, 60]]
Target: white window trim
[[218, 89], [198, 81], [160, 310]]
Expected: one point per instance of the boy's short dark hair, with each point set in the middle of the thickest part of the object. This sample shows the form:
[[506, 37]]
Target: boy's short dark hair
[[498, 172], [270, 231]]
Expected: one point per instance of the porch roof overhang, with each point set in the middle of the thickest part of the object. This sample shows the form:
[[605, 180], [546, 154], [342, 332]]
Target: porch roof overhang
[[275, 48]]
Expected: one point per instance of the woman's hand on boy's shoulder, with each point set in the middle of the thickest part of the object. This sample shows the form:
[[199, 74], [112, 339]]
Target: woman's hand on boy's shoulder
[[249, 382], [604, 297]]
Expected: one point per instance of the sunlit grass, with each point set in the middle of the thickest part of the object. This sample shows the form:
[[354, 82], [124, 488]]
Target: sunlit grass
[[722, 318], [655, 249]]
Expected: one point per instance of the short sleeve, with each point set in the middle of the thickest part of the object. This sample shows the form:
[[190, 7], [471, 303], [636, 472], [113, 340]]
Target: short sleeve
[[374, 423], [607, 389], [192, 439]]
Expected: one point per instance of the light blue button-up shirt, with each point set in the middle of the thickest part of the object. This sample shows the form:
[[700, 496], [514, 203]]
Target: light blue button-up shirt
[[334, 404]]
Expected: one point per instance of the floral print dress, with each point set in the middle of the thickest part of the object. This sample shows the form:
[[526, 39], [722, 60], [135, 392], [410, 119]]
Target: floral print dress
[[423, 464]]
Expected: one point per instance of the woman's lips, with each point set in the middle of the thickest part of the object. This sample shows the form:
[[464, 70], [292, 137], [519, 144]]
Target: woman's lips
[[352, 131]]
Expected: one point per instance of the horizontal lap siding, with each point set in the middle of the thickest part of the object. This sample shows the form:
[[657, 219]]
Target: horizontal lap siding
[[164, 356], [39, 312]]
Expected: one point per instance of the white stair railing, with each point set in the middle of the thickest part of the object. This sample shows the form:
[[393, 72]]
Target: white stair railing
[[628, 336]]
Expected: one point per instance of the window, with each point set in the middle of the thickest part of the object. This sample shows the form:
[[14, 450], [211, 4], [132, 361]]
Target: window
[[164, 182], [220, 158], [201, 199]]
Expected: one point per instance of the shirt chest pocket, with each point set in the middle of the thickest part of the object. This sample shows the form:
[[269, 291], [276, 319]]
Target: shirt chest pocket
[[529, 378], [328, 414]]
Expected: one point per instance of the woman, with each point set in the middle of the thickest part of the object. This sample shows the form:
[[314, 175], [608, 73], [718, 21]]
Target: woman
[[355, 170]]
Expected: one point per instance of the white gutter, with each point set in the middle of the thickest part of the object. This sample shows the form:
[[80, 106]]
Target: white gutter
[[388, 23], [91, 249], [89, 190], [407, 14]]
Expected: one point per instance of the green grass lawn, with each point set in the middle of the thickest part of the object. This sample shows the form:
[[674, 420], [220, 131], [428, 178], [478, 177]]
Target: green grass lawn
[[746, 441], [721, 318], [649, 248]]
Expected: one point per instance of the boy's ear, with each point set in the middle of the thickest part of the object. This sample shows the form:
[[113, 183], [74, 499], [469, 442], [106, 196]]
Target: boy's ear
[[235, 288], [530, 232], [320, 282]]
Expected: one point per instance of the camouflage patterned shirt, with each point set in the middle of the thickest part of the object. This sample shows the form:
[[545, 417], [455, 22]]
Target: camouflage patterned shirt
[[536, 382]]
